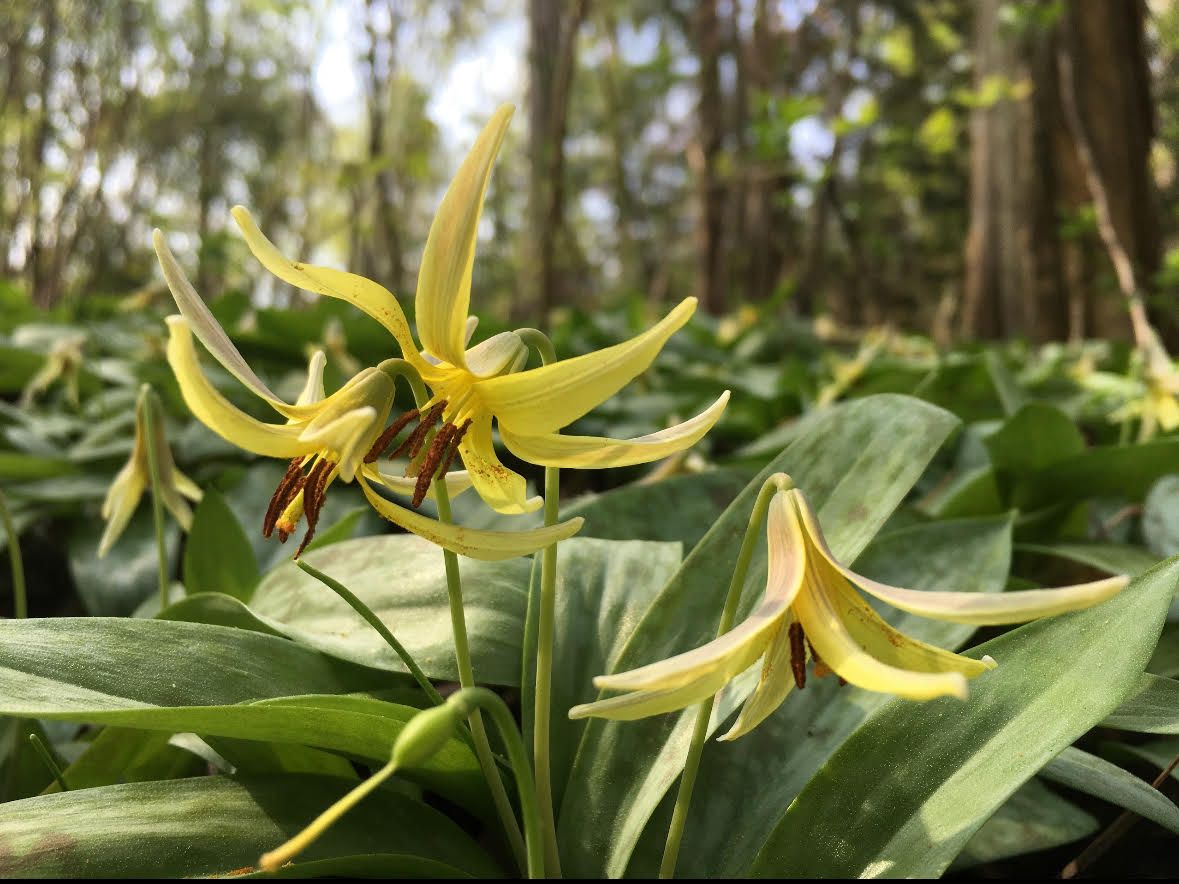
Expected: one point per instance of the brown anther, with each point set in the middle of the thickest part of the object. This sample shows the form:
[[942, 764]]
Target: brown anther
[[428, 467], [798, 654], [378, 447], [821, 669], [288, 488], [313, 495], [413, 443], [452, 447]]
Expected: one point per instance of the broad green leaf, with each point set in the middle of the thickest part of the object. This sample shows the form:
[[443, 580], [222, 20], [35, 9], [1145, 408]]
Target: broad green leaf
[[213, 826], [1035, 437], [403, 579], [603, 587], [934, 772], [1112, 558], [971, 493], [1125, 471], [1153, 708], [1034, 818], [341, 530], [1007, 388], [126, 755], [1159, 753], [1102, 779], [218, 556], [18, 467], [369, 865], [769, 766], [855, 463], [1165, 659], [117, 584], [22, 771]]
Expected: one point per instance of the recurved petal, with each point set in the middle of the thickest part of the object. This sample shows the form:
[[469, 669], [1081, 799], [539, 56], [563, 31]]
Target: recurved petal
[[502, 489], [587, 452], [370, 297], [118, 507], [457, 481], [215, 412], [776, 682], [186, 486], [348, 438], [495, 355], [837, 648], [979, 609], [642, 704], [210, 333], [542, 400], [313, 388], [444, 280], [472, 542]]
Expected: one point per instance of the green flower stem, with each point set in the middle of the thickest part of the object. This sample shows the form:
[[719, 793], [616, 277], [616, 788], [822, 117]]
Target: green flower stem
[[375, 622], [542, 696], [20, 599], [545, 637], [675, 833], [462, 653], [149, 405], [472, 699], [50, 762]]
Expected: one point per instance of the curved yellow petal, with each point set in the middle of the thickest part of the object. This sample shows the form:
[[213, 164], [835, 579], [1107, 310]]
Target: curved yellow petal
[[979, 609], [835, 646], [457, 481], [775, 684], [444, 280], [502, 489], [186, 486], [642, 704], [495, 355], [121, 500], [210, 333], [216, 413], [370, 297], [313, 387], [472, 542], [589, 452], [542, 400], [346, 439]]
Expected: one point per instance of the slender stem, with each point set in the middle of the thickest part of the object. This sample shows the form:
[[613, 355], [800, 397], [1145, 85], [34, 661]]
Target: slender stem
[[375, 622], [149, 414], [545, 637], [20, 599], [675, 833], [469, 699], [462, 653], [50, 762], [276, 858], [542, 697]]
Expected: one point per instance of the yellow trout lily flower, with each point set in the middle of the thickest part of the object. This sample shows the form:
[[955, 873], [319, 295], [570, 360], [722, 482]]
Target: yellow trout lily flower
[[812, 609], [472, 387], [324, 437], [123, 496]]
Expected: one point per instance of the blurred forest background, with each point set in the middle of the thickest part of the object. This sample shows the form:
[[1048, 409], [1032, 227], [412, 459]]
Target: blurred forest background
[[939, 166]]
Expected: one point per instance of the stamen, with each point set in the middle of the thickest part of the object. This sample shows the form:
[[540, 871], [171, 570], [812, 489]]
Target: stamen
[[433, 457], [289, 486], [313, 495], [413, 444], [453, 446], [798, 654], [378, 447], [822, 670]]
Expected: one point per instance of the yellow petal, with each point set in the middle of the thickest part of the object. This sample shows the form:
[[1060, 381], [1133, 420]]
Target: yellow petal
[[588, 452], [835, 646], [216, 413], [313, 387], [736, 650], [444, 280], [370, 297], [642, 704], [457, 481], [776, 682], [545, 399], [495, 355], [346, 439], [186, 486], [121, 500], [502, 489], [979, 609], [472, 542]]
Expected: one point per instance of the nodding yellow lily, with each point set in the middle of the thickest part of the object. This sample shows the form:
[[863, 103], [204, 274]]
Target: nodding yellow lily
[[324, 437], [812, 610], [470, 387], [123, 496]]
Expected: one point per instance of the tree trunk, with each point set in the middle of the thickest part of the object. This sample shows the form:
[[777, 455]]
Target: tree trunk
[[705, 156]]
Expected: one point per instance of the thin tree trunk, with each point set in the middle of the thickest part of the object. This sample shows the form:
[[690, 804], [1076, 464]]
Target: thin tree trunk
[[705, 156]]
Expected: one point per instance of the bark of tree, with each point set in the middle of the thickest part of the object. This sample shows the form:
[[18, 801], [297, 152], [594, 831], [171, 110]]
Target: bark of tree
[[705, 159], [37, 263], [552, 55]]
